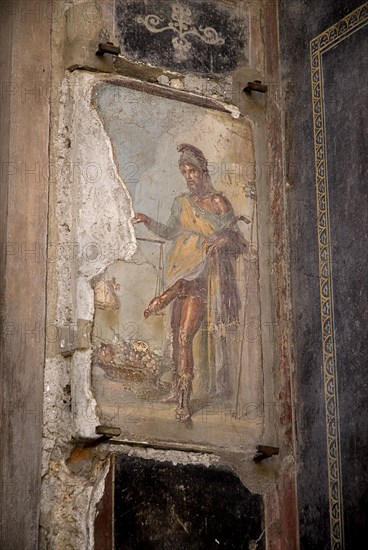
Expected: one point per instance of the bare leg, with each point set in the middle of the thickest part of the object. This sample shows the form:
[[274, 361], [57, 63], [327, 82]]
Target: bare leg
[[175, 324], [192, 313], [186, 318]]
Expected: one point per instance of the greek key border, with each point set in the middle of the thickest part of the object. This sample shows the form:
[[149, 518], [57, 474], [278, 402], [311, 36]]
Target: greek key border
[[323, 42]]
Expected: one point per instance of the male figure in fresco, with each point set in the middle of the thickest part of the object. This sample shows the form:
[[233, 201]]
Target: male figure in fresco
[[200, 270]]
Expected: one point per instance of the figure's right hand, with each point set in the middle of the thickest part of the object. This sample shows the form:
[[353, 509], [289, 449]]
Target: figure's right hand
[[140, 218]]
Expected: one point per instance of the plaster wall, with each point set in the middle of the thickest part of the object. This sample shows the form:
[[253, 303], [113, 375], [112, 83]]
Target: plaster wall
[[330, 510], [90, 228]]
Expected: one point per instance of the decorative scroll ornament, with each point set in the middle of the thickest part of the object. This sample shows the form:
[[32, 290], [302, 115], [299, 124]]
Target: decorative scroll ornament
[[181, 25]]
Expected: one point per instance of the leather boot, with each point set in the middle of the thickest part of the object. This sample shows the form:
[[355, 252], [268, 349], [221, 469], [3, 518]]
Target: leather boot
[[184, 390]]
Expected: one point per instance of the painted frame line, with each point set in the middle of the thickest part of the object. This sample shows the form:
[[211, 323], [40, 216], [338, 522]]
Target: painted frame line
[[322, 43]]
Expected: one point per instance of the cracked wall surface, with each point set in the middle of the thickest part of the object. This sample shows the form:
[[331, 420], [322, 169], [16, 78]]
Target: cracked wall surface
[[89, 229]]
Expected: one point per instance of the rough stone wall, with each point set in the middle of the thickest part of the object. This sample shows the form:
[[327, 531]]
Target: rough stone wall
[[79, 249]]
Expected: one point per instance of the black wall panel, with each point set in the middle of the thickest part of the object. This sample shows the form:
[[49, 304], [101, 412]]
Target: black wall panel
[[344, 90]]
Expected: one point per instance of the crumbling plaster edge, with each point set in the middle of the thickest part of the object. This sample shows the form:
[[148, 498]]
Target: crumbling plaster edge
[[81, 294]]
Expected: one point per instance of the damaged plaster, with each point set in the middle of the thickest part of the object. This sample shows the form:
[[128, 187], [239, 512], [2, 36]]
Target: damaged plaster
[[87, 183], [101, 228]]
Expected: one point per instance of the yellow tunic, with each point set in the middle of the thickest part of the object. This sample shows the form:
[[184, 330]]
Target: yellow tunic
[[192, 229]]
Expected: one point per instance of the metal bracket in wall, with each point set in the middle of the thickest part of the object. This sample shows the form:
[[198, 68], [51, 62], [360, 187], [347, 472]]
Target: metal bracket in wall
[[255, 86], [106, 433], [68, 337], [265, 451], [107, 47], [74, 336]]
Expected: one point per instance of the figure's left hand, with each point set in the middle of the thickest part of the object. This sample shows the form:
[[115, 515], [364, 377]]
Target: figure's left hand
[[217, 244]]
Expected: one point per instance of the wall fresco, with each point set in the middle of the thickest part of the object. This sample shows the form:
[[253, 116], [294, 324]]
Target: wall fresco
[[177, 351], [202, 37]]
